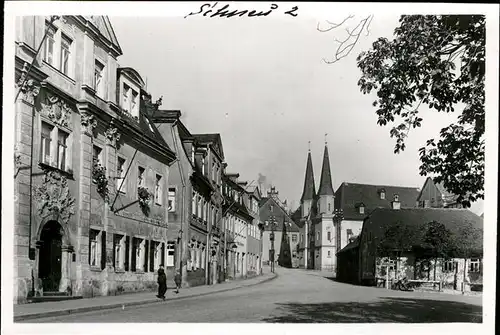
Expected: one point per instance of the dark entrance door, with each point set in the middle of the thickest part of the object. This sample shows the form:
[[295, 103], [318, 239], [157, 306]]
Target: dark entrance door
[[49, 267]]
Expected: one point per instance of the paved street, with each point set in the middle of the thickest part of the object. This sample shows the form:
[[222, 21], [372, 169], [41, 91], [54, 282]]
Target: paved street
[[299, 296]]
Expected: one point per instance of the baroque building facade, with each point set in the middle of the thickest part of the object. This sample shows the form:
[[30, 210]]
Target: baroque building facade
[[91, 168]]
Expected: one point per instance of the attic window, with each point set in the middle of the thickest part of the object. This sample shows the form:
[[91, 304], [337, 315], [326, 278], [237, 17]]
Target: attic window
[[396, 197], [361, 208], [382, 194]]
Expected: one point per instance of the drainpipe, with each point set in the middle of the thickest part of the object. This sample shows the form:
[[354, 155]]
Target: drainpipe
[[177, 149]]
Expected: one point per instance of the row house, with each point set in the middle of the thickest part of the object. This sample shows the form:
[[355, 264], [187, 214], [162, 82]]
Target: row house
[[253, 198], [273, 217], [91, 168], [241, 230], [207, 204]]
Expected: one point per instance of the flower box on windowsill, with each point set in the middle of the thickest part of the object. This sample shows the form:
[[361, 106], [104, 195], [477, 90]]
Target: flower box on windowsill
[[95, 268], [119, 270]]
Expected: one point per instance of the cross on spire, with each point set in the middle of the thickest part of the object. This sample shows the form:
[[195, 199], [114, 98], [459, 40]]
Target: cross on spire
[[326, 142], [309, 146]]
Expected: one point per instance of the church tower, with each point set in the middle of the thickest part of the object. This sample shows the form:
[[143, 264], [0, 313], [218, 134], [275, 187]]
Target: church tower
[[307, 199], [325, 192]]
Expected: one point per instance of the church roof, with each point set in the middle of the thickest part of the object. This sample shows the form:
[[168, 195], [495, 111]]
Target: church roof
[[325, 184], [309, 188]]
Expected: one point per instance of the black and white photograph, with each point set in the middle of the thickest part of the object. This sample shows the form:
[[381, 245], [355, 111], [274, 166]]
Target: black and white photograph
[[191, 167]]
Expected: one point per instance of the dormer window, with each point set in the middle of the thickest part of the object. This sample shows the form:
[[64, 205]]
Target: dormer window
[[396, 197], [360, 207], [382, 194], [130, 100]]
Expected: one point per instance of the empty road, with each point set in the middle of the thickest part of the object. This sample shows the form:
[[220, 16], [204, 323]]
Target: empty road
[[298, 296]]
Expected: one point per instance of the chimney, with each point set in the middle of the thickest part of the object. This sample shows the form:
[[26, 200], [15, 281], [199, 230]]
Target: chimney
[[395, 204]]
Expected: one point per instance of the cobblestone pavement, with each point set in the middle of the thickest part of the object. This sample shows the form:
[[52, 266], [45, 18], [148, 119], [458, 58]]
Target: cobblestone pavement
[[299, 296]]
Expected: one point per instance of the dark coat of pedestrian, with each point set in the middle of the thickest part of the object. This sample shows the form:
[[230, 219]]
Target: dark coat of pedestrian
[[177, 280], [162, 283]]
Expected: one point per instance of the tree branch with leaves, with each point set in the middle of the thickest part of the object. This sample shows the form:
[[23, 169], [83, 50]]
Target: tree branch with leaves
[[419, 67]]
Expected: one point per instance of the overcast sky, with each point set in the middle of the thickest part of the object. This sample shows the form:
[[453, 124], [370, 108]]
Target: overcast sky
[[261, 83]]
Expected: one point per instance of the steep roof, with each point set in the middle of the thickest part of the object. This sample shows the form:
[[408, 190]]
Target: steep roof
[[297, 218], [448, 197], [103, 25], [325, 185], [350, 195], [309, 189], [213, 139], [452, 218], [264, 214], [148, 109]]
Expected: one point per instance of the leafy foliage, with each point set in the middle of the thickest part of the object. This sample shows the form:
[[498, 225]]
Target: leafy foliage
[[437, 241], [419, 67], [144, 196], [397, 238], [99, 178]]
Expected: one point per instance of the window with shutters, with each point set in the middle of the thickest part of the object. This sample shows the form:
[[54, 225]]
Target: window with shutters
[[475, 265], [99, 83], [141, 182], [171, 199], [138, 254], [127, 254], [170, 253], [95, 248], [119, 251], [159, 190]]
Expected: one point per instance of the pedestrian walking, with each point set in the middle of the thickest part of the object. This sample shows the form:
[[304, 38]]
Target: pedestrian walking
[[162, 283], [177, 280]]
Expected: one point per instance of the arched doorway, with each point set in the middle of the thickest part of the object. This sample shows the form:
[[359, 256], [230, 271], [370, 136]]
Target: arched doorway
[[50, 255]]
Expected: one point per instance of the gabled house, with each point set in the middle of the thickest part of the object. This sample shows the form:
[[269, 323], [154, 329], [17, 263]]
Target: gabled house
[[434, 195], [272, 216], [87, 147], [356, 201]]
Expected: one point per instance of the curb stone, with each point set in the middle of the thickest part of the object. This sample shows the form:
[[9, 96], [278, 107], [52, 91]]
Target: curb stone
[[80, 310]]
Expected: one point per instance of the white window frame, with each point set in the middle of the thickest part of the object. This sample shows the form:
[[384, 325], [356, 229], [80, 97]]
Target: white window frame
[[44, 158], [99, 77], [141, 182], [121, 174], [62, 162], [475, 265], [64, 38], [99, 155], [54, 146], [95, 248], [170, 257], [449, 265], [158, 189], [140, 245], [49, 40], [119, 251], [317, 236], [172, 199]]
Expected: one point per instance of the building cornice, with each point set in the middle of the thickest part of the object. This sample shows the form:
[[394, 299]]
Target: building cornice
[[88, 27]]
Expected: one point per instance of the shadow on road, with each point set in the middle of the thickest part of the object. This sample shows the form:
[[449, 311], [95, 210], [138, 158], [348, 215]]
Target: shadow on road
[[384, 310]]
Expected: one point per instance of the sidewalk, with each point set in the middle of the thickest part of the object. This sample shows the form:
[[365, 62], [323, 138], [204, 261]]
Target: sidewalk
[[57, 308]]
